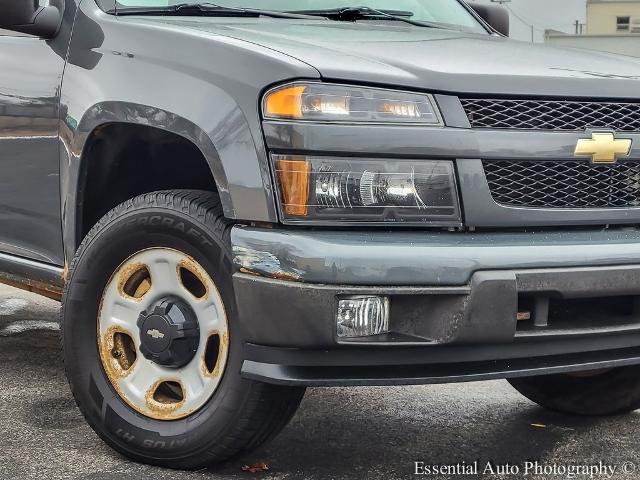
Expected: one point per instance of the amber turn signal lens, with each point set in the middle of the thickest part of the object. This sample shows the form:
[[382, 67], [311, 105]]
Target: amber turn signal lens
[[294, 185], [285, 103], [325, 102]]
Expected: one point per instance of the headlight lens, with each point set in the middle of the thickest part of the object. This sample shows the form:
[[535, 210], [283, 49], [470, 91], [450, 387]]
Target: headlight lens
[[349, 104], [351, 190]]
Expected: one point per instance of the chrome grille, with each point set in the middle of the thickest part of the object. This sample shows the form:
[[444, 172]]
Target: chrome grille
[[564, 184], [552, 115]]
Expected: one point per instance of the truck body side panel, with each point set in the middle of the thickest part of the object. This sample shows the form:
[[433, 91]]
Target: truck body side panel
[[192, 84]]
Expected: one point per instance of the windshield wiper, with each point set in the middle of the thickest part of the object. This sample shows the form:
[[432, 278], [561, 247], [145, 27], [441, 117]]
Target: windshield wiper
[[350, 14], [206, 9]]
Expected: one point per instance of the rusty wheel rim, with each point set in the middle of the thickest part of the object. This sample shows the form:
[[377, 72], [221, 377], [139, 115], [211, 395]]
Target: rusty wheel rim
[[154, 390]]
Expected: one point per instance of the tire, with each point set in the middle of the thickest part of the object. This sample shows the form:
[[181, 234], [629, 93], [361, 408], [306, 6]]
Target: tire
[[240, 414], [599, 393]]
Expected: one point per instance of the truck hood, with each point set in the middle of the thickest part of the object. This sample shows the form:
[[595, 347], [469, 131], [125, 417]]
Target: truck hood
[[433, 59]]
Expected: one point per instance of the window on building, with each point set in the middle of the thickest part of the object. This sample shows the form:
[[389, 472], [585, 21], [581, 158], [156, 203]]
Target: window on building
[[623, 24]]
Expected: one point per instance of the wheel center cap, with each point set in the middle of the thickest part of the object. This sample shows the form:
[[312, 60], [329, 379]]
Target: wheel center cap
[[169, 332], [156, 333]]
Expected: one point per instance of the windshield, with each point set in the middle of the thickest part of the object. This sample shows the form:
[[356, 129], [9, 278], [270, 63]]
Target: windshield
[[445, 12]]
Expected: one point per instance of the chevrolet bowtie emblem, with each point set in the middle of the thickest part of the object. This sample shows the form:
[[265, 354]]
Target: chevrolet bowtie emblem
[[157, 334], [603, 147]]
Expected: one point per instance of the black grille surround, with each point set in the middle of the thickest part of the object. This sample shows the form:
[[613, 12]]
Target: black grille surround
[[532, 114], [563, 184]]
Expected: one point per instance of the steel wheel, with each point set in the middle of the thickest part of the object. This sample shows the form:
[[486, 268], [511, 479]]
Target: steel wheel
[[163, 334]]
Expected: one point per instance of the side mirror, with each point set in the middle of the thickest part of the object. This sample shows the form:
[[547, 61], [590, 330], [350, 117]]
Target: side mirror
[[497, 17], [27, 16]]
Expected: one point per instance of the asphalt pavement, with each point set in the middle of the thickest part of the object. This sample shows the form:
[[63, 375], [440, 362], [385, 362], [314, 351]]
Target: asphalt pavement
[[337, 434]]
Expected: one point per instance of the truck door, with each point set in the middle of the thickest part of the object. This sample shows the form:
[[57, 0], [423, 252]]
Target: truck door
[[30, 75]]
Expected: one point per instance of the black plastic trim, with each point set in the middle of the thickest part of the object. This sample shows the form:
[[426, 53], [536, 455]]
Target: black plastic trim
[[32, 275], [317, 371]]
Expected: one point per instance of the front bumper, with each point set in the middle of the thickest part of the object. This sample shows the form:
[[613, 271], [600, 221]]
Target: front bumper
[[455, 302]]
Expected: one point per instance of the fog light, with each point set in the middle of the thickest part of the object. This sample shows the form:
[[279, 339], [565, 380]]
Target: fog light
[[363, 316]]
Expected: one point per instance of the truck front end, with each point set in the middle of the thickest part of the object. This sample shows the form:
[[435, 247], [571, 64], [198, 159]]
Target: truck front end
[[432, 237]]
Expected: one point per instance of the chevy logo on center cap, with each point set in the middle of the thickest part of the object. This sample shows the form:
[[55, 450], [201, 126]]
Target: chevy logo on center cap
[[603, 147], [155, 334]]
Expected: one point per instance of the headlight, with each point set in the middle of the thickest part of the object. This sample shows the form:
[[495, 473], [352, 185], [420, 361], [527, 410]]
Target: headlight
[[349, 104], [352, 190]]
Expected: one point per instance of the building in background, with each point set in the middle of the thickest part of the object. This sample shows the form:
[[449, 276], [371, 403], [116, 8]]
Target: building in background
[[612, 26]]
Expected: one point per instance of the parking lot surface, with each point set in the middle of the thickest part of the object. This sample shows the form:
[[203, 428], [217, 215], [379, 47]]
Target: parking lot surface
[[337, 434]]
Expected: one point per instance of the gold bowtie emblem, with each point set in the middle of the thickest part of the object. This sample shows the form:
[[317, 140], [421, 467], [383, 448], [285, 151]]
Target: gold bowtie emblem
[[603, 147]]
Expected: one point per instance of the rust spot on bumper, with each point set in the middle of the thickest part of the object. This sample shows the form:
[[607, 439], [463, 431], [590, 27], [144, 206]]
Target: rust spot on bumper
[[286, 276], [264, 264]]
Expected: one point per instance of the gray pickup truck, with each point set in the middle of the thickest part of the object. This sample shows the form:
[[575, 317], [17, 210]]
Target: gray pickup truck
[[236, 201]]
